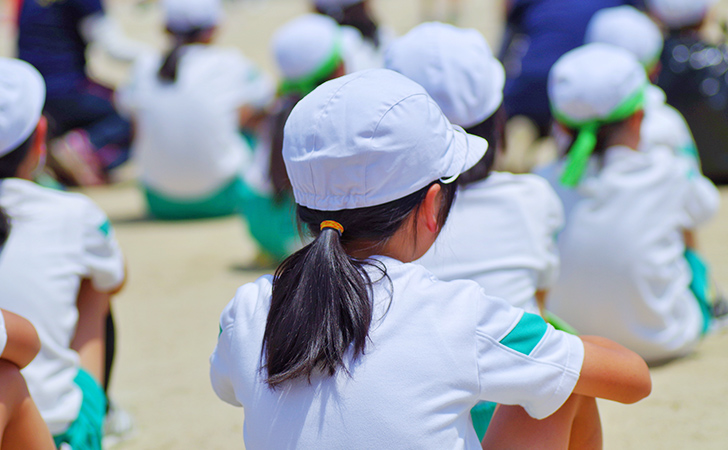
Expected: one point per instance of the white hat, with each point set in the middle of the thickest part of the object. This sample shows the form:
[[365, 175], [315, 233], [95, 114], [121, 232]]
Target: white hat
[[369, 138], [22, 95], [305, 44], [590, 86], [629, 28], [590, 82], [680, 13], [455, 66], [183, 16]]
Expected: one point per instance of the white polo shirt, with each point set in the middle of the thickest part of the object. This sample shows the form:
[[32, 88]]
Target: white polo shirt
[[187, 142], [435, 350], [56, 239], [623, 273], [3, 334], [501, 233]]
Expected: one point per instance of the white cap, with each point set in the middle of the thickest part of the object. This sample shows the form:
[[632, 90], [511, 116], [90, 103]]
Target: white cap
[[22, 95], [455, 66], [182, 16], [369, 138], [303, 45], [629, 28], [592, 81], [680, 13]]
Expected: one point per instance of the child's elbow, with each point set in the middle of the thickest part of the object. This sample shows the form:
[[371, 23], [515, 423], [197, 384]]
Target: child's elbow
[[641, 389]]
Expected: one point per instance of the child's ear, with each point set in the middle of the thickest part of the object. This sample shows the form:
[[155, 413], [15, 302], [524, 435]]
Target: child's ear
[[430, 210]]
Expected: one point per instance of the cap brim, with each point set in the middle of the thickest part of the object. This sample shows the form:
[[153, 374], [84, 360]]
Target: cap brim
[[468, 150]]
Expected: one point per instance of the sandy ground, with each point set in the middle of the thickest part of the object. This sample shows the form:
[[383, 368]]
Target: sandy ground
[[181, 275]]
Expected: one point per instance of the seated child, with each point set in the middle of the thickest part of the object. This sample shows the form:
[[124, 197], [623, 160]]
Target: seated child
[[308, 51], [188, 108], [624, 275], [501, 230], [349, 344], [693, 79], [59, 268]]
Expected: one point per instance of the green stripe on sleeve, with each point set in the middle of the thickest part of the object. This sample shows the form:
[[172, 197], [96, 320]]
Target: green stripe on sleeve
[[526, 335], [105, 228]]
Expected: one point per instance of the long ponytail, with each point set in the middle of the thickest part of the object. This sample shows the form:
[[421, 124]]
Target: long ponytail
[[321, 305], [168, 70]]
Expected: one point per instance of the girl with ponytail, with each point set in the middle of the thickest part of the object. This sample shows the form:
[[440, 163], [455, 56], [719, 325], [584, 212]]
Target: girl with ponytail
[[349, 345]]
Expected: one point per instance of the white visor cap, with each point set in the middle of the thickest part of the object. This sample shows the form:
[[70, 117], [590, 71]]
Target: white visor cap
[[369, 138], [680, 13], [629, 28], [456, 67], [304, 44], [590, 82], [22, 96], [183, 16]]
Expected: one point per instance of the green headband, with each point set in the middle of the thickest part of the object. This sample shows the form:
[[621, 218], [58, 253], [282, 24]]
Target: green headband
[[308, 83], [582, 148]]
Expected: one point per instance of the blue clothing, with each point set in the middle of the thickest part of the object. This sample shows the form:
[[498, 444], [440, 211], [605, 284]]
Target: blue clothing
[[542, 31], [49, 39]]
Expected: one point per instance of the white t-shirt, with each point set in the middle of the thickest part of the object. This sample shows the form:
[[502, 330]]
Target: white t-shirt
[[187, 142], [3, 333], [501, 233], [435, 350], [664, 126], [623, 273], [361, 54], [56, 239]]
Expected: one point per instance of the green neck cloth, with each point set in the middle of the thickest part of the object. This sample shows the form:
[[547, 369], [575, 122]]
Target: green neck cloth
[[578, 157], [303, 86]]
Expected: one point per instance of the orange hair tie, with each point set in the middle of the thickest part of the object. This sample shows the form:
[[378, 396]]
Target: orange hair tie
[[332, 224]]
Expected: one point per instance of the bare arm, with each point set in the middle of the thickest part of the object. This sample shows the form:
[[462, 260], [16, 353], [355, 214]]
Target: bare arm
[[23, 342], [612, 372], [690, 240], [90, 338], [541, 295]]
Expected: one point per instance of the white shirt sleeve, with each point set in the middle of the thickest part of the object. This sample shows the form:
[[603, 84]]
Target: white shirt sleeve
[[101, 255], [245, 83], [527, 363], [220, 368], [3, 333], [702, 198]]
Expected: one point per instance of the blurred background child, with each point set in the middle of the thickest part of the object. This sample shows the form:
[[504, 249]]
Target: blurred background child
[[188, 107], [89, 136], [308, 51], [624, 274], [59, 269]]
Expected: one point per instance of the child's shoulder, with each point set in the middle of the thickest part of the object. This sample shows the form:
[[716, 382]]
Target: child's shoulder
[[37, 197]]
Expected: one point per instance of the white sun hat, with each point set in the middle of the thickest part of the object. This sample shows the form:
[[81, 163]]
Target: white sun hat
[[307, 48], [629, 28], [22, 96], [680, 13], [456, 67], [183, 16], [369, 138], [591, 86]]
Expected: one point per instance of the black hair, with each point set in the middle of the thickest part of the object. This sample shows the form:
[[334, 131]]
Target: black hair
[[4, 227], [604, 135], [168, 71], [321, 304], [357, 16], [10, 162], [492, 130]]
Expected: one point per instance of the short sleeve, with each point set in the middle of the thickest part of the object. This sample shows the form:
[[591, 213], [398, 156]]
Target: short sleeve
[[3, 333], [527, 363], [701, 198], [101, 255], [220, 368]]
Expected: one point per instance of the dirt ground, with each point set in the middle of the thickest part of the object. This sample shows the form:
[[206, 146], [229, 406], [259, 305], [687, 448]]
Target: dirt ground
[[182, 274]]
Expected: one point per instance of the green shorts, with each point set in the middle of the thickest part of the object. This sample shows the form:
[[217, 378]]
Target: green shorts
[[86, 432], [701, 286], [271, 222], [224, 202], [482, 414]]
